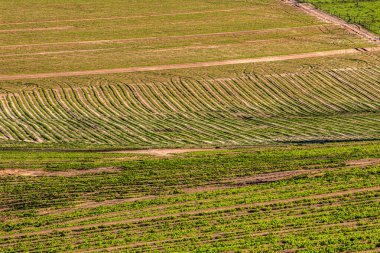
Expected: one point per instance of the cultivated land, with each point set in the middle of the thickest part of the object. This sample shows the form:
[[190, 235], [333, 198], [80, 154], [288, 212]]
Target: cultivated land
[[187, 126], [181, 74], [305, 199]]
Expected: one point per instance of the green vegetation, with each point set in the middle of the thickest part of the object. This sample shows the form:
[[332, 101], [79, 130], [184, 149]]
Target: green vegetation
[[221, 106], [363, 12], [307, 198], [69, 184]]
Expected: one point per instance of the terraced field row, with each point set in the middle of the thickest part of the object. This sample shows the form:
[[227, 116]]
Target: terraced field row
[[242, 110]]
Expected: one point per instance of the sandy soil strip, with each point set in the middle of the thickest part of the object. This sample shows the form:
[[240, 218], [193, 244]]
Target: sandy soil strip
[[364, 162], [68, 173], [161, 152], [37, 29], [209, 210], [321, 15], [190, 65], [128, 17], [163, 37]]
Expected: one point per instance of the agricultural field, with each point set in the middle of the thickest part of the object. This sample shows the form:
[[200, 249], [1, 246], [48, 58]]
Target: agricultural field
[[137, 75], [312, 198], [315, 105], [364, 13], [188, 126]]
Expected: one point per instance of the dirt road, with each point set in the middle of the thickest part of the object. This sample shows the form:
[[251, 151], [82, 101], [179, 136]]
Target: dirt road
[[352, 28], [189, 65]]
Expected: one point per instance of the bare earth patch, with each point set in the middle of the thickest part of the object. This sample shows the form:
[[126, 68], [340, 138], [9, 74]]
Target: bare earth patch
[[70, 173], [37, 29], [162, 152], [364, 162]]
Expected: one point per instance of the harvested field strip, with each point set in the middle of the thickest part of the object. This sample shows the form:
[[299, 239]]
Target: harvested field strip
[[243, 110], [118, 41], [128, 17], [187, 65]]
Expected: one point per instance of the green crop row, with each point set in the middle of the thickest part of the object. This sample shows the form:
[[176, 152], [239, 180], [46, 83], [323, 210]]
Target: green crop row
[[314, 198]]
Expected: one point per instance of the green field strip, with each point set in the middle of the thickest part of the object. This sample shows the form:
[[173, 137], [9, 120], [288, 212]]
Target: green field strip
[[180, 223], [283, 211], [244, 212]]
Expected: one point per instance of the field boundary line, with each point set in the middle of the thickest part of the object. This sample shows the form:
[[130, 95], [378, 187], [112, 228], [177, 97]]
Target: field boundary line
[[190, 65], [329, 18], [58, 28], [164, 37], [208, 210], [127, 17]]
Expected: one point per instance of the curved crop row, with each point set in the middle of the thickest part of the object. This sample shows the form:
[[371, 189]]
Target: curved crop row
[[313, 105]]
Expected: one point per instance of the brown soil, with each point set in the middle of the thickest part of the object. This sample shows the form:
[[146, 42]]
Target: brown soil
[[210, 210], [37, 29], [189, 65], [69, 173], [364, 162], [161, 152]]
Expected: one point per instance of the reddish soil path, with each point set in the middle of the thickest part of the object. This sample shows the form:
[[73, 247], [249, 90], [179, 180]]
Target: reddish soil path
[[190, 65], [69, 173]]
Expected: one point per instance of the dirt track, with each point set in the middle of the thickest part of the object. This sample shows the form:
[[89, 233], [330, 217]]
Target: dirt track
[[355, 29], [37, 29], [189, 65], [161, 152], [70, 173]]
